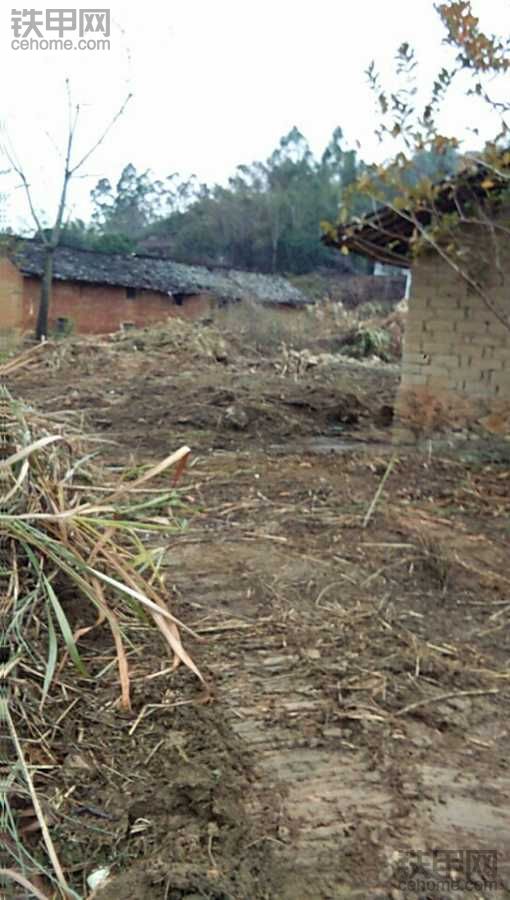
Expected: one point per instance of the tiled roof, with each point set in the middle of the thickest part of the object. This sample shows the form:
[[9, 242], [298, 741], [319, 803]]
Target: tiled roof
[[155, 274]]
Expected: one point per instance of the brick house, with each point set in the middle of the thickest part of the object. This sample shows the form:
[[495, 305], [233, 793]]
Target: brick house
[[455, 378], [97, 293]]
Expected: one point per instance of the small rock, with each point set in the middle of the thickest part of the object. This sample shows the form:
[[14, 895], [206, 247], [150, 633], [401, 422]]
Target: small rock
[[76, 761], [236, 417], [98, 878], [283, 833]]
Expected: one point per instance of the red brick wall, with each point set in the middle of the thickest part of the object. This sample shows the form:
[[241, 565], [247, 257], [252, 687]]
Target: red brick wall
[[194, 306], [98, 309], [11, 298]]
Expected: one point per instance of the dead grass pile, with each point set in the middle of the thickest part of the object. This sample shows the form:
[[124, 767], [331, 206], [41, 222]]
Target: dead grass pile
[[92, 352], [201, 338], [233, 332], [57, 538]]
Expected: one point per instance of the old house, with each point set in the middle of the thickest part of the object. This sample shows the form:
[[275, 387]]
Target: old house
[[455, 378], [102, 292]]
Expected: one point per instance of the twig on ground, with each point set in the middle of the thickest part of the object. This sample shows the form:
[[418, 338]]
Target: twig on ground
[[371, 508], [440, 697]]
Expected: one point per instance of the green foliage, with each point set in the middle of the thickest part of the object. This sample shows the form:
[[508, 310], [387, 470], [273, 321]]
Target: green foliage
[[267, 218], [78, 234], [370, 342], [135, 203]]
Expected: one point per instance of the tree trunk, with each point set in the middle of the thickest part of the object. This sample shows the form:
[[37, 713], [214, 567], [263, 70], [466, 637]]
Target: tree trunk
[[274, 255], [45, 298]]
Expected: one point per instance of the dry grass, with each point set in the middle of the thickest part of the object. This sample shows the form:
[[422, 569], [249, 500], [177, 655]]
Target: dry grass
[[435, 560], [57, 538], [266, 328]]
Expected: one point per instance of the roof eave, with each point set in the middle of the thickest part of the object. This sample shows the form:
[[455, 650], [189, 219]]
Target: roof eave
[[379, 253]]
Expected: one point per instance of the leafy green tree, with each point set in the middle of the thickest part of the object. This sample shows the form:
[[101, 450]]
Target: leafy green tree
[[134, 203], [82, 236], [268, 216]]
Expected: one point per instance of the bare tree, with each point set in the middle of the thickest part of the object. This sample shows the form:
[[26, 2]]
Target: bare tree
[[50, 238]]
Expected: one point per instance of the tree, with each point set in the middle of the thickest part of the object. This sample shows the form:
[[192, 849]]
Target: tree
[[408, 184], [136, 202], [50, 238], [267, 217], [80, 235]]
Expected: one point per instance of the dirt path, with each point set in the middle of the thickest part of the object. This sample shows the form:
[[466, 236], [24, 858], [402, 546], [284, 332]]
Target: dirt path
[[336, 636]]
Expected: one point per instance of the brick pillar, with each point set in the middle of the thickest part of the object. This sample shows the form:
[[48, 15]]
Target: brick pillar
[[456, 357]]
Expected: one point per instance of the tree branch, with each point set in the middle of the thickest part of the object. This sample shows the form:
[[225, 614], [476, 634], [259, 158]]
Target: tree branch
[[67, 172], [490, 167], [16, 167], [100, 140]]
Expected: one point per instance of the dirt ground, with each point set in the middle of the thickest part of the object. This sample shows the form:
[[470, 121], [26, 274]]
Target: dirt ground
[[357, 742]]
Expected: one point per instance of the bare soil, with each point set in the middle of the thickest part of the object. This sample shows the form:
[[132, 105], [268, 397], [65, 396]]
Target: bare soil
[[357, 743]]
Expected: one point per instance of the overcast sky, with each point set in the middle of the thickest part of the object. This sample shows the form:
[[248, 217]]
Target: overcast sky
[[215, 83]]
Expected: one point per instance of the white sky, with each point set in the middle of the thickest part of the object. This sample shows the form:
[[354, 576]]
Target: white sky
[[216, 83]]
